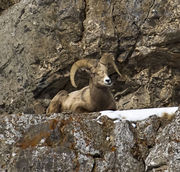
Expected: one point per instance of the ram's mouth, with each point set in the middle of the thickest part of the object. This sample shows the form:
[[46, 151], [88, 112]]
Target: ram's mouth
[[108, 84]]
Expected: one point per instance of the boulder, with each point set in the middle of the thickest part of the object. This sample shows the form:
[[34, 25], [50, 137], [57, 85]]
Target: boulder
[[83, 142]]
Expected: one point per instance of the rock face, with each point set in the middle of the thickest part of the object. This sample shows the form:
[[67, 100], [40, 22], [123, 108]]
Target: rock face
[[4, 4], [41, 39], [74, 142]]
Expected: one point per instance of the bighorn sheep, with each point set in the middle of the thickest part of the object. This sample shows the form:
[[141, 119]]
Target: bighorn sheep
[[95, 97]]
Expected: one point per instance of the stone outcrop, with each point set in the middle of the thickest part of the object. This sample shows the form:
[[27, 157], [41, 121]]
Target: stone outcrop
[[74, 142], [41, 39]]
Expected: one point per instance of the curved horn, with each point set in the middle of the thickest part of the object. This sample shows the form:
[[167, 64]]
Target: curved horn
[[88, 63], [108, 58]]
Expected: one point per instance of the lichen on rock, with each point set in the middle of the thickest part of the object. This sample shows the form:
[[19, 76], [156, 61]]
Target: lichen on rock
[[79, 142]]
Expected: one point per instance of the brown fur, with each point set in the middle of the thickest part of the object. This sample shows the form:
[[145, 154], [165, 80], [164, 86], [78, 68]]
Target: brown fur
[[95, 97], [166, 119], [55, 105]]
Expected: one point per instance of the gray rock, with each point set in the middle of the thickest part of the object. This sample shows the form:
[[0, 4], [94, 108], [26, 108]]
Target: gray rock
[[36, 50], [165, 155], [4, 4], [74, 142]]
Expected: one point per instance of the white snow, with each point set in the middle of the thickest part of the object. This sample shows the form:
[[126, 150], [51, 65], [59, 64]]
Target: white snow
[[137, 114]]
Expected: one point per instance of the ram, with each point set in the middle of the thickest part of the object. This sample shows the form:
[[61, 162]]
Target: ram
[[94, 97]]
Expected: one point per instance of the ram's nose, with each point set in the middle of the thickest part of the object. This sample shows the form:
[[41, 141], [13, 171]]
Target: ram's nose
[[107, 81]]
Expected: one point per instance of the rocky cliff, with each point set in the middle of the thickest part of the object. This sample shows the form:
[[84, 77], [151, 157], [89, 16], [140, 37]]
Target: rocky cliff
[[40, 40]]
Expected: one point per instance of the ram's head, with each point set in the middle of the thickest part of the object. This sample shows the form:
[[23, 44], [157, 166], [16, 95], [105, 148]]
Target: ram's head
[[98, 70]]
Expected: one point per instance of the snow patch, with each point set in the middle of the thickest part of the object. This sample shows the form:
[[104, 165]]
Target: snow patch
[[137, 114]]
